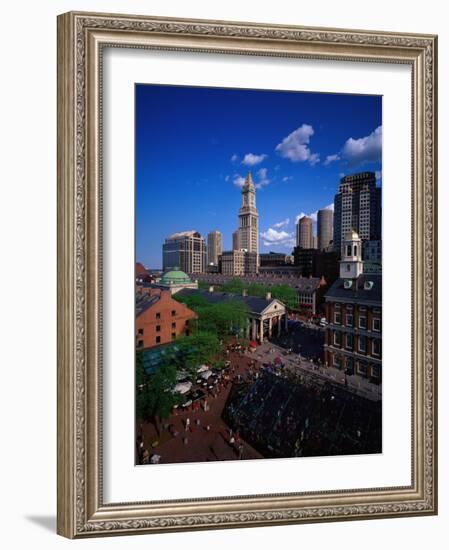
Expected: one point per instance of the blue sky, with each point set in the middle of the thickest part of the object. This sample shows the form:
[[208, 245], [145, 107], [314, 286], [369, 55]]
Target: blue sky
[[195, 145]]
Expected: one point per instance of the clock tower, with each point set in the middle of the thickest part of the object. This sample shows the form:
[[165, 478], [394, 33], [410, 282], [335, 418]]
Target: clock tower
[[249, 218]]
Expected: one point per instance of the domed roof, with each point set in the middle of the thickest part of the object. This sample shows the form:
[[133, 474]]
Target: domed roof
[[175, 276], [352, 236]]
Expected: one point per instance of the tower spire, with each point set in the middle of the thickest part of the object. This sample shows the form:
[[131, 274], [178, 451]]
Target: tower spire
[[248, 180]]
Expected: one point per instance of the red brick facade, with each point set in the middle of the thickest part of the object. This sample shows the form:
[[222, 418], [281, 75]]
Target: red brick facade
[[163, 321], [353, 340]]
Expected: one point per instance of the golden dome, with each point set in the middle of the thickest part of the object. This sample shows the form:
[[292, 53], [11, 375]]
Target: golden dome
[[352, 236]]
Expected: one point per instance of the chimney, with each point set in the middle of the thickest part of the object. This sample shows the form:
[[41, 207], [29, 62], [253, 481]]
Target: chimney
[[244, 292], [211, 289], [268, 296]]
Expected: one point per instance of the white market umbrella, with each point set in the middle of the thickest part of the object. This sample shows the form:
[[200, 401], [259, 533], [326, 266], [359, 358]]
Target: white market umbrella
[[206, 374], [182, 387], [202, 368]]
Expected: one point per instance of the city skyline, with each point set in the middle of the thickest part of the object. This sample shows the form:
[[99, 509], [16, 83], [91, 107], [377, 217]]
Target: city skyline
[[190, 177]]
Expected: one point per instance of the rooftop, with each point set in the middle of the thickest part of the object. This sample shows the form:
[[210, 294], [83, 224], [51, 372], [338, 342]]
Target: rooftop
[[175, 276], [358, 290], [254, 304], [180, 234], [144, 301]]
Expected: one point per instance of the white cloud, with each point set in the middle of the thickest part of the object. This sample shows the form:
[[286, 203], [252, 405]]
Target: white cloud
[[283, 223], [287, 178], [251, 159], [234, 158], [364, 149], [238, 180], [378, 175], [263, 180], [271, 237], [296, 146], [331, 158], [227, 178], [314, 215]]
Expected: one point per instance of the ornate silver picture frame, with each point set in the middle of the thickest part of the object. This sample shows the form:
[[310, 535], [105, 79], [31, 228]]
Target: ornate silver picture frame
[[82, 40]]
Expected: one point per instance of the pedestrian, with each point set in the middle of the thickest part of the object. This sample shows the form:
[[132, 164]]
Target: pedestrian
[[240, 451], [146, 457], [187, 423]]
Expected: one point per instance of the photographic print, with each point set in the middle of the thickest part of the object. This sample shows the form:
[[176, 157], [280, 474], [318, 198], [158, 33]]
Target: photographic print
[[221, 296], [258, 274]]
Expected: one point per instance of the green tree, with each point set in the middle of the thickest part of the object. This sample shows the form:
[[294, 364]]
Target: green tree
[[286, 294], [154, 396], [197, 349], [223, 318]]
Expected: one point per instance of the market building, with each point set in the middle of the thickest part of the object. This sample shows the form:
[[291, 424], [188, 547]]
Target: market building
[[353, 340], [266, 316], [310, 290], [160, 319]]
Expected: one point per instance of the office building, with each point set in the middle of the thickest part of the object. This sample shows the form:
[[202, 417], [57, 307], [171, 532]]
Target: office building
[[325, 228], [186, 251], [304, 232], [357, 206], [214, 247]]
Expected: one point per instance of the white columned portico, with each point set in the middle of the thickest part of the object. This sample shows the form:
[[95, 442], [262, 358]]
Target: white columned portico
[[261, 331], [270, 327], [279, 319]]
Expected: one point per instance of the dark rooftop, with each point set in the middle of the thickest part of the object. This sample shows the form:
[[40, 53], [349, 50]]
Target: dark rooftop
[[357, 291], [144, 301]]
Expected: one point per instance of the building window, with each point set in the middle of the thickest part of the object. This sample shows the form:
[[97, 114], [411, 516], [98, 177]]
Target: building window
[[349, 341], [349, 319], [337, 338], [348, 267], [158, 339], [158, 328], [337, 361], [362, 322], [173, 312], [140, 344], [362, 344], [348, 250], [173, 335], [375, 371], [140, 331], [337, 317], [158, 315], [173, 325], [376, 324], [361, 369], [376, 347]]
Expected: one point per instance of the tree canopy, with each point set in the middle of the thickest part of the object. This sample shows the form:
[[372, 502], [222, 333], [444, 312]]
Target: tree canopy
[[284, 293], [222, 319], [154, 397]]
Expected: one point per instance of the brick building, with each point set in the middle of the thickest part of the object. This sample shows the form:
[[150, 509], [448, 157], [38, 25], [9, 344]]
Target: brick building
[[353, 340], [159, 318]]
